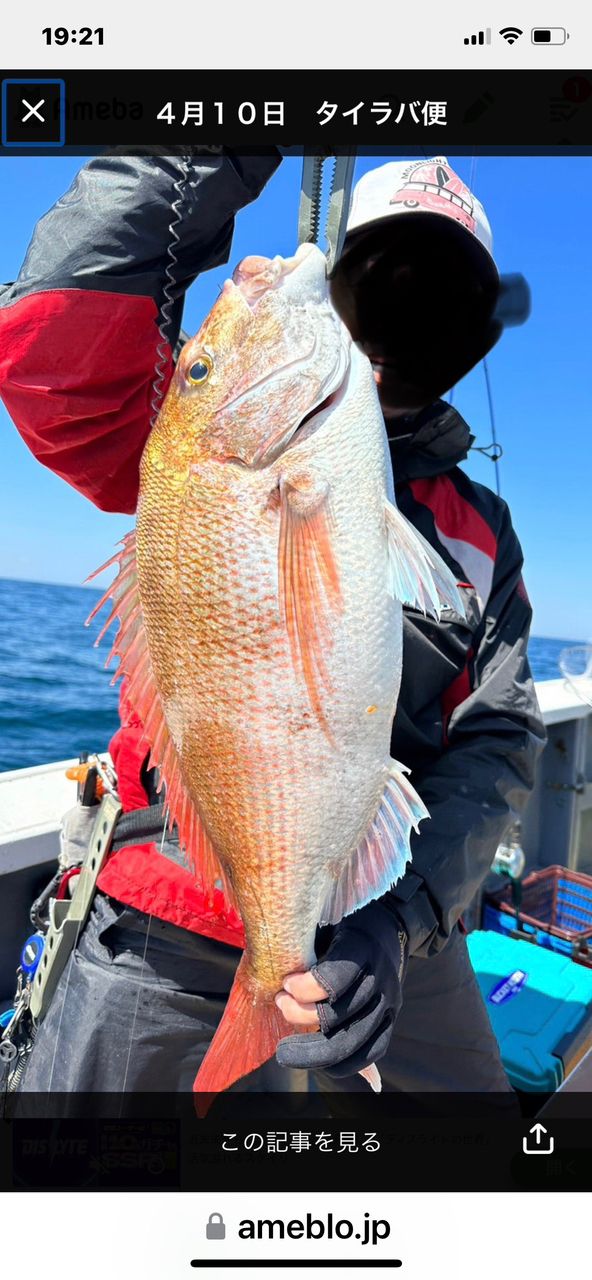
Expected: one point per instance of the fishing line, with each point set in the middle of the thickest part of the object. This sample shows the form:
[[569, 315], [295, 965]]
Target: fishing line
[[129, 1052], [59, 1026], [473, 171], [166, 818], [498, 449], [493, 451], [395, 439]]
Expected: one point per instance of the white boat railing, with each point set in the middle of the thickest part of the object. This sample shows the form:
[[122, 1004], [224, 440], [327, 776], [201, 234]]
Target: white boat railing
[[32, 804], [557, 826]]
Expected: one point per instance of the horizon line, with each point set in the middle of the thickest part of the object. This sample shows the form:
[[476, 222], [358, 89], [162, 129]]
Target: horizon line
[[83, 586]]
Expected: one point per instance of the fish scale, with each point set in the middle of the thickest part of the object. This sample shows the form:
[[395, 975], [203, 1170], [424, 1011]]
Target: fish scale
[[262, 634]]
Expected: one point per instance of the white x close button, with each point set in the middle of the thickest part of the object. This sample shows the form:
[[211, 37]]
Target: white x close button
[[33, 111]]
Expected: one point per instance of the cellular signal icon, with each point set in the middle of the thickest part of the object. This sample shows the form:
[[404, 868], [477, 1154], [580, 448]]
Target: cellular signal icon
[[481, 37], [511, 34]]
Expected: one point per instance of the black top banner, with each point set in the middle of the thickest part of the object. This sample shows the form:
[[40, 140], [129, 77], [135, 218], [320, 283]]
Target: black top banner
[[375, 111]]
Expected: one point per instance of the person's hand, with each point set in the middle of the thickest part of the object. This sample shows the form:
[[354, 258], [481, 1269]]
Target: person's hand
[[351, 998]]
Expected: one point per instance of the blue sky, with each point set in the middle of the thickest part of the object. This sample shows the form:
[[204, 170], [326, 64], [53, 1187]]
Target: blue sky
[[539, 211]]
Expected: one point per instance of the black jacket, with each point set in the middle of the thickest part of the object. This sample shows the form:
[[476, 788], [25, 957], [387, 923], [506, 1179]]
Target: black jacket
[[87, 334], [468, 721]]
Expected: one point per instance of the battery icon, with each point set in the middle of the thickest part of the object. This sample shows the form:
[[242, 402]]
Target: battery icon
[[549, 35]]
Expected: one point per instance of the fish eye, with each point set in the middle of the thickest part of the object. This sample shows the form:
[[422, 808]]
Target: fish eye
[[200, 370]]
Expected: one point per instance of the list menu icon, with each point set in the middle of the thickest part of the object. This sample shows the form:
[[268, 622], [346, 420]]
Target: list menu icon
[[33, 113]]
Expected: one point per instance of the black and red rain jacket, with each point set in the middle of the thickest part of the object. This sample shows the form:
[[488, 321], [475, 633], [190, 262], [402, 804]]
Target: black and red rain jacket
[[83, 332]]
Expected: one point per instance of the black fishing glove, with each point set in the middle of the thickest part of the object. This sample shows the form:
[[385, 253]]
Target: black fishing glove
[[364, 959]]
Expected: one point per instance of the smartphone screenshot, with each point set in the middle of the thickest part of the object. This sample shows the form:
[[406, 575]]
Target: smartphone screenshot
[[295, 642]]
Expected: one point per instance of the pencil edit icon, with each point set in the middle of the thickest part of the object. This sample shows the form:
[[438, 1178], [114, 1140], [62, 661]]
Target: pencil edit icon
[[478, 108]]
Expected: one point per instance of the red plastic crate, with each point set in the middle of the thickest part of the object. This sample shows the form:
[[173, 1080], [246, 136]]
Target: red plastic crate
[[556, 911]]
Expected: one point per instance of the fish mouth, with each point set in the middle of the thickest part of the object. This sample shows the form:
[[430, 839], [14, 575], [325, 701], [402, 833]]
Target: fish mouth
[[314, 419], [256, 276], [304, 282], [311, 421]]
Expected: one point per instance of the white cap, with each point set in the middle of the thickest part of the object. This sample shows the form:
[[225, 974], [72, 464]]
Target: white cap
[[417, 186]]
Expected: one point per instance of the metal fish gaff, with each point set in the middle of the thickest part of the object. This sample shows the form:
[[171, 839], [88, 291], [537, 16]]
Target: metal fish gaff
[[260, 603]]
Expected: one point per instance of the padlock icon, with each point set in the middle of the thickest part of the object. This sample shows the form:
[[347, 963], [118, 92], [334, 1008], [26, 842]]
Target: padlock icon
[[215, 1229]]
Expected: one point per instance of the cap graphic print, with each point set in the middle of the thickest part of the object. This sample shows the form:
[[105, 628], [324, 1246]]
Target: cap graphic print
[[419, 186]]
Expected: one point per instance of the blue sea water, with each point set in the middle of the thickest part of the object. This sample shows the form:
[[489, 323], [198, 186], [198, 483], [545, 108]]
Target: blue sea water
[[56, 699], [55, 695]]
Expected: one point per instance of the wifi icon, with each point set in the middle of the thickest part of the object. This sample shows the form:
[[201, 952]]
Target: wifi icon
[[511, 34]]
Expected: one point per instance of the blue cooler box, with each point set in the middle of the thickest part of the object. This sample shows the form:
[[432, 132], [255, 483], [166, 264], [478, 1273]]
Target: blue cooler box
[[540, 1006]]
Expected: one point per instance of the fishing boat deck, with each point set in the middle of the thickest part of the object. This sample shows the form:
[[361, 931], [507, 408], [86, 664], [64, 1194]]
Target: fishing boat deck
[[556, 827]]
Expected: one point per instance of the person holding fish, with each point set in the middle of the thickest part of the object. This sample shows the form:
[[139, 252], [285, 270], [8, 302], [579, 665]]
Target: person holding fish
[[323, 628]]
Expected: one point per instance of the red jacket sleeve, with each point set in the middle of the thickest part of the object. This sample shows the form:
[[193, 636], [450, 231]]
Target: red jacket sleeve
[[88, 329]]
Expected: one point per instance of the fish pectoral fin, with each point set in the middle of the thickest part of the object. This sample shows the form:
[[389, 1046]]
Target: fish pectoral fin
[[417, 575], [141, 691], [309, 588], [383, 852]]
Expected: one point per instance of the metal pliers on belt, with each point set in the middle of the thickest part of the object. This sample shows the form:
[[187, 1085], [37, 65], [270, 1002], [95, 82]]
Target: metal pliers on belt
[[309, 213]]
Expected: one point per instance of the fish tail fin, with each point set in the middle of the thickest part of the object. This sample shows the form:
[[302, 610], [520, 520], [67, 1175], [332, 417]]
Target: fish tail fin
[[247, 1036]]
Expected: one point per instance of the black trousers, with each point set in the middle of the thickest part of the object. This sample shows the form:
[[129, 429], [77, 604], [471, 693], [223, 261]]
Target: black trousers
[[139, 1001]]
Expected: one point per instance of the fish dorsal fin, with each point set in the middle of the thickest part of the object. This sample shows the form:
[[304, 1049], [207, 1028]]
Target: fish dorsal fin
[[131, 648], [383, 852], [309, 590], [417, 575]]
